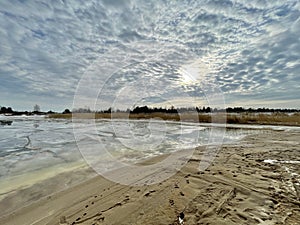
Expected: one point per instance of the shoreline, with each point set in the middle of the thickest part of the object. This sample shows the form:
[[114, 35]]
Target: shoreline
[[275, 119], [237, 188]]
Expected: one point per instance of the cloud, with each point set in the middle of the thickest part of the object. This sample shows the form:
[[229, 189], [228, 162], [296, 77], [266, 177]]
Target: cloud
[[250, 48]]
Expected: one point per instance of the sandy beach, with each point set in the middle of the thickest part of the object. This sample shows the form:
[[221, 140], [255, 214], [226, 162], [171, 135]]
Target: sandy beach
[[253, 181]]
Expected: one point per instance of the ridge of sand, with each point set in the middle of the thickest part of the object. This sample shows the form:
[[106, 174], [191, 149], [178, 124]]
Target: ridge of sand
[[237, 188]]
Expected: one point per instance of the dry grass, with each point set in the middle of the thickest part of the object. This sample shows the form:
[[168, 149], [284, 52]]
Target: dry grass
[[241, 118], [60, 116], [265, 119]]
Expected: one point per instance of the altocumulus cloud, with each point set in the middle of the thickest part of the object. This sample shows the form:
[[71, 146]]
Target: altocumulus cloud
[[250, 49]]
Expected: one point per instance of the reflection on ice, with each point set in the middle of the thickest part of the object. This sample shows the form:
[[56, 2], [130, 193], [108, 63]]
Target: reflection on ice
[[33, 143]]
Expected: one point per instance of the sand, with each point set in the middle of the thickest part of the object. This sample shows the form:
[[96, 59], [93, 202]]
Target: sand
[[239, 187]]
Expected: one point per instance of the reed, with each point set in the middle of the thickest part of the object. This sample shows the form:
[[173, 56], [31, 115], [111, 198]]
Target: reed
[[231, 118]]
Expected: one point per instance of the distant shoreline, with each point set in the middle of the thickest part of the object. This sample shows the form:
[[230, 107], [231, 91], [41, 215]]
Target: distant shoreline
[[281, 119]]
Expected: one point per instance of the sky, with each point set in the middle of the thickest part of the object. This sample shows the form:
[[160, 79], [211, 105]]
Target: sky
[[97, 54]]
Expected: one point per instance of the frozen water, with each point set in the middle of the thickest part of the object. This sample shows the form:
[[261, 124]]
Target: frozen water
[[33, 143]]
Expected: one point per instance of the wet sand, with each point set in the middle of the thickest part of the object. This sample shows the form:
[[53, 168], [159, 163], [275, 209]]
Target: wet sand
[[239, 187]]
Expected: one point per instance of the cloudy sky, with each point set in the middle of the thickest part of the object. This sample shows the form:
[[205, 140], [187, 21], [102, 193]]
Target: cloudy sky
[[80, 53]]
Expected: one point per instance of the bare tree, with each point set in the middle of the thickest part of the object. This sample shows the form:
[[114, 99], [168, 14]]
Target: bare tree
[[36, 108]]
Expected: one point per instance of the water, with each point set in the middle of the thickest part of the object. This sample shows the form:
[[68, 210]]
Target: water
[[34, 143]]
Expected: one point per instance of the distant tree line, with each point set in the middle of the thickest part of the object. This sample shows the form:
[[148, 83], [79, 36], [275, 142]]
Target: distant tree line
[[36, 111], [146, 109], [260, 110], [6, 110]]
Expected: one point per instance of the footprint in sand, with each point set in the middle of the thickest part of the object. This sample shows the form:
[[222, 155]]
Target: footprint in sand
[[127, 198], [148, 193], [171, 202]]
